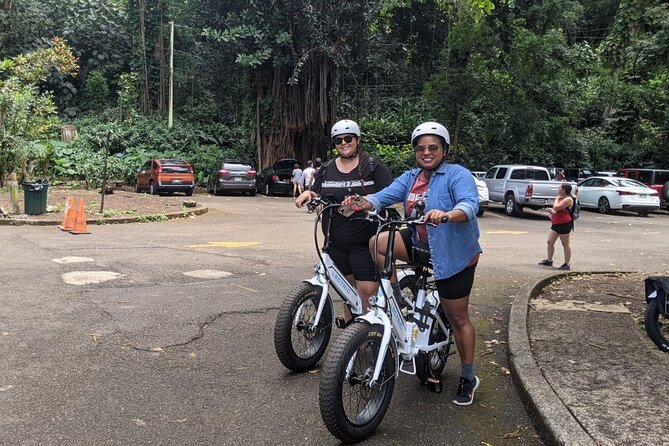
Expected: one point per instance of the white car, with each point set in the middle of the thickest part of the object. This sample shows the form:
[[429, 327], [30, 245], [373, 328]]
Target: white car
[[607, 193], [482, 188], [478, 174]]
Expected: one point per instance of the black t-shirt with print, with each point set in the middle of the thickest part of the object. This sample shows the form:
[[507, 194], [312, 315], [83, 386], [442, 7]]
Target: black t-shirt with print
[[330, 182]]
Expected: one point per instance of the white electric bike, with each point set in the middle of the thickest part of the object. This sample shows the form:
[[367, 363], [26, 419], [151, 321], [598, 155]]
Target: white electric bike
[[359, 374], [304, 323]]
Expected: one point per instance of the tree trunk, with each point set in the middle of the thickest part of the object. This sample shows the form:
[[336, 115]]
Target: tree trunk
[[455, 139], [144, 106], [160, 50]]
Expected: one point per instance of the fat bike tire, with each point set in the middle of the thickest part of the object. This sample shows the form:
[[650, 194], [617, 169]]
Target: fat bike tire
[[657, 327], [298, 344], [430, 365], [350, 408]]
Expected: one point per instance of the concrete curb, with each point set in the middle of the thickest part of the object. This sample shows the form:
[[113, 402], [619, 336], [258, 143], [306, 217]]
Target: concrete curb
[[105, 221], [552, 418]]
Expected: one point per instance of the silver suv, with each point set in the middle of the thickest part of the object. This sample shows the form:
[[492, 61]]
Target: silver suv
[[232, 175]]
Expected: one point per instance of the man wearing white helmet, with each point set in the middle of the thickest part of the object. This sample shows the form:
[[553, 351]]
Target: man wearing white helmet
[[450, 197], [351, 173]]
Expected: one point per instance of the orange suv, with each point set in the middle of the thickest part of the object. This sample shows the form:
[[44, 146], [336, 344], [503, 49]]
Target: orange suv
[[165, 175]]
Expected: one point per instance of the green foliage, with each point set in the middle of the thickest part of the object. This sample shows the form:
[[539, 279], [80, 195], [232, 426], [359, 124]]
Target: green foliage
[[96, 92], [130, 145], [127, 96], [398, 158], [26, 115], [559, 82]]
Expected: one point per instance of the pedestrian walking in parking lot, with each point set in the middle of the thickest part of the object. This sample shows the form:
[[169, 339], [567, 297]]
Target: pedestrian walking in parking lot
[[308, 175], [562, 223], [297, 180]]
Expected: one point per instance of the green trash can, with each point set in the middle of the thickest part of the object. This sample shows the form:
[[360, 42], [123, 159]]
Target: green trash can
[[34, 197]]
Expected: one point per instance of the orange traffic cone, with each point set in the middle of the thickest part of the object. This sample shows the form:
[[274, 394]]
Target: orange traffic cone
[[80, 222], [69, 215]]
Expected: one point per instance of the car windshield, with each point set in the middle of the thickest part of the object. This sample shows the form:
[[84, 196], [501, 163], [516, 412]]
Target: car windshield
[[626, 183]]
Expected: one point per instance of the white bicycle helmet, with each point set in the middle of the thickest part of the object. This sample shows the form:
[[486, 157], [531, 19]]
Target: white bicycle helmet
[[345, 126], [431, 128]]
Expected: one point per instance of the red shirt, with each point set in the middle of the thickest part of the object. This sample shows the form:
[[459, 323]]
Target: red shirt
[[561, 216]]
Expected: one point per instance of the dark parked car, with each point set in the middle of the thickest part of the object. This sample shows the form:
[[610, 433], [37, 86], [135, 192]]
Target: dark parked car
[[232, 175], [275, 180], [165, 175], [657, 179]]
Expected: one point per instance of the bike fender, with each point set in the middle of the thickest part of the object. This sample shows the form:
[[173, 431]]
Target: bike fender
[[404, 272], [370, 318], [314, 281]]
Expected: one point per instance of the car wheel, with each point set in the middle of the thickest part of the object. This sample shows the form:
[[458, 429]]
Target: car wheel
[[603, 206], [643, 213], [189, 192], [268, 192], [215, 190], [665, 191], [511, 207], [153, 190], [480, 212], [137, 189], [252, 193]]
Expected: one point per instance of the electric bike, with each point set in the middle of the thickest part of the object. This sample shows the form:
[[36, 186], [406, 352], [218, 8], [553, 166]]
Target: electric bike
[[359, 374], [656, 319], [304, 323]]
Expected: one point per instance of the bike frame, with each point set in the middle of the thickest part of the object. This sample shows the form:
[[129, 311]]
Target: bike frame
[[327, 273], [409, 337]]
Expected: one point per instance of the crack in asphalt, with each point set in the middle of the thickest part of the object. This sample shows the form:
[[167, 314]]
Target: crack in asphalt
[[203, 325]]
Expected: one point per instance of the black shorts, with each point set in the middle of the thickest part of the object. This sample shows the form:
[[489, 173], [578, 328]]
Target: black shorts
[[454, 287], [356, 260], [563, 228]]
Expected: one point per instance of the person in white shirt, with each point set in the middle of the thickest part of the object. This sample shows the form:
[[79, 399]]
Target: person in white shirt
[[308, 176]]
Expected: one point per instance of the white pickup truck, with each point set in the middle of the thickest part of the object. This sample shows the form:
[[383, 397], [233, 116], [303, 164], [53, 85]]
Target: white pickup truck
[[519, 186]]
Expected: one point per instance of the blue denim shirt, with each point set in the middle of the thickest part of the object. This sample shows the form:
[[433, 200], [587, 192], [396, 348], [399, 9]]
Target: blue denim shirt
[[452, 245]]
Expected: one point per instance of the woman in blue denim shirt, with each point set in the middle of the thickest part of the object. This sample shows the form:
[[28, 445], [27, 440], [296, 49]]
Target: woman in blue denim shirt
[[451, 203]]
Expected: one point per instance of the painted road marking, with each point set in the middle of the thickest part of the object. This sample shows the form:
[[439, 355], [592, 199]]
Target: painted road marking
[[73, 260], [506, 232], [88, 277], [208, 274], [225, 245]]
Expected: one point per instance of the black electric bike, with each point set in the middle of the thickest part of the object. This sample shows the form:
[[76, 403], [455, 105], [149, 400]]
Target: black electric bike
[[656, 319]]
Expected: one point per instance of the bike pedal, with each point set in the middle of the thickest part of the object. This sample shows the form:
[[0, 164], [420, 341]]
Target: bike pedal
[[341, 323], [434, 385]]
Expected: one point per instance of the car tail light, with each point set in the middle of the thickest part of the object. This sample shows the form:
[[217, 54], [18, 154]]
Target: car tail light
[[190, 169], [275, 178], [160, 169], [251, 173], [624, 192], [223, 173], [529, 190]]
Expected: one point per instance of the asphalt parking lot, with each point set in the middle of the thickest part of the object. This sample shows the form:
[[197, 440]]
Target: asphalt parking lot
[[161, 333]]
